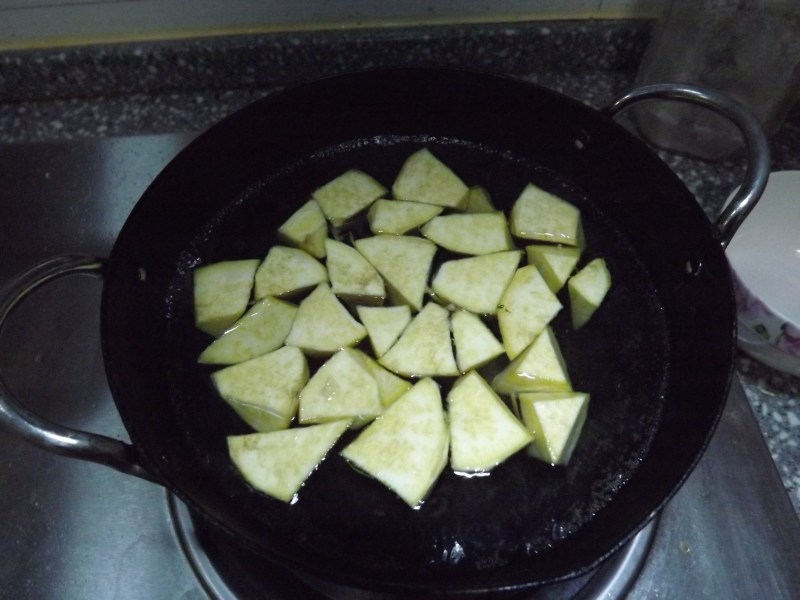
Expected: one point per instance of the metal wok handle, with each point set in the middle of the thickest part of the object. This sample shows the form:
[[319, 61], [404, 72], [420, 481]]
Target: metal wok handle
[[35, 429], [758, 155]]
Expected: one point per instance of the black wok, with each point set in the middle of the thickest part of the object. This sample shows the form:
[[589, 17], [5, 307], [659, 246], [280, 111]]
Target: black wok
[[657, 358]]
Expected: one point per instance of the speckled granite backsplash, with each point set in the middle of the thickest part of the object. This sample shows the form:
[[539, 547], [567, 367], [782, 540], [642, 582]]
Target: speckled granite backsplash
[[128, 89]]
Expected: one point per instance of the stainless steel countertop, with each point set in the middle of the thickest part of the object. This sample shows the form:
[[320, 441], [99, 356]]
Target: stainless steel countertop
[[79, 530]]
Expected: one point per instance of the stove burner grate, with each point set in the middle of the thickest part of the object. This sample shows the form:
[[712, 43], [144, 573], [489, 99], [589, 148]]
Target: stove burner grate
[[227, 572]]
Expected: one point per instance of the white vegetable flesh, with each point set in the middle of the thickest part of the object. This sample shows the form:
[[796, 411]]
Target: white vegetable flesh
[[406, 447], [483, 309]]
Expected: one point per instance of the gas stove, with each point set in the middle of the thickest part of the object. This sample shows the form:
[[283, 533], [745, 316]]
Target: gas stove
[[79, 530]]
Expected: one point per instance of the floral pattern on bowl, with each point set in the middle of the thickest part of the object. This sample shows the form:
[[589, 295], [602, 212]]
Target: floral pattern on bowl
[[757, 317]]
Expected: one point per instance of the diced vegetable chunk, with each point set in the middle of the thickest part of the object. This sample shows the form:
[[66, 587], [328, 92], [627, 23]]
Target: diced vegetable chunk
[[263, 329], [406, 447], [278, 463], [474, 341], [264, 391], [478, 233], [352, 276], [221, 294], [286, 271], [478, 201], [341, 388], [306, 229], [384, 325], [540, 367], [587, 289], [555, 263], [483, 431], [347, 195], [556, 420], [476, 283], [323, 325], [390, 386], [404, 262], [424, 349], [398, 217], [424, 178], [525, 309], [539, 215]]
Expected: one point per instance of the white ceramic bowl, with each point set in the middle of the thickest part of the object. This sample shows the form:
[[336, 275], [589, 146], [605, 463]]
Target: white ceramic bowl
[[765, 257]]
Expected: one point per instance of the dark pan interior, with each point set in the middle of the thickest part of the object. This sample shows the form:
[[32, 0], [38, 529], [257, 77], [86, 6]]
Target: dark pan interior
[[656, 359]]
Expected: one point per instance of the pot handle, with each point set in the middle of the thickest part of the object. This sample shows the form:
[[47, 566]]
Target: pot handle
[[758, 155], [35, 429]]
